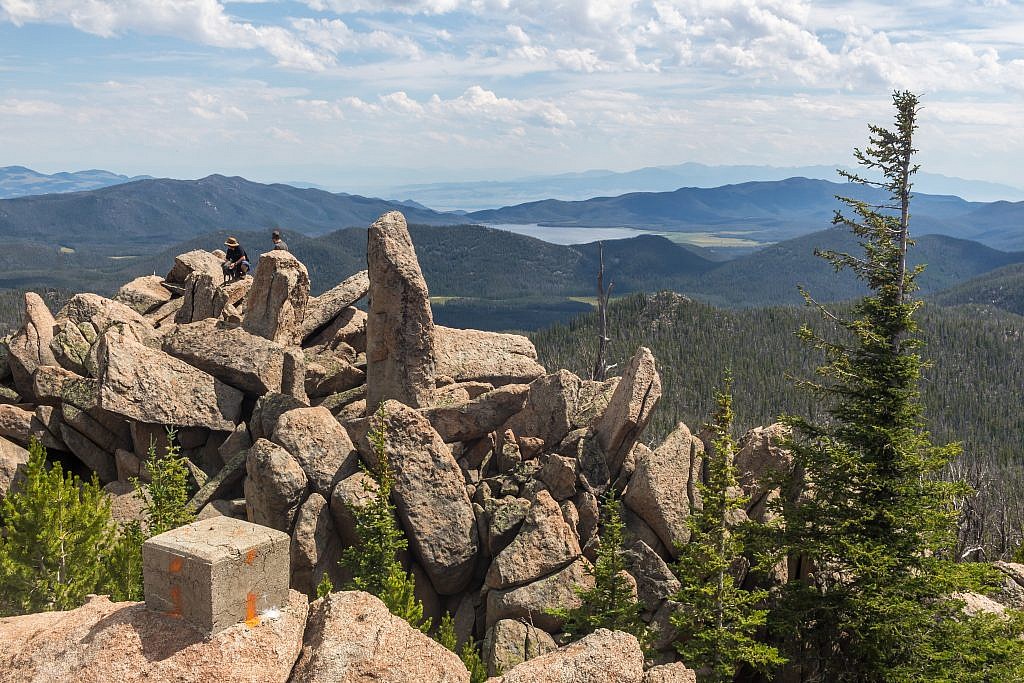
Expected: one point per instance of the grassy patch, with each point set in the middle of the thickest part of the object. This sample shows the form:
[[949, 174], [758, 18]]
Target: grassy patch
[[714, 239]]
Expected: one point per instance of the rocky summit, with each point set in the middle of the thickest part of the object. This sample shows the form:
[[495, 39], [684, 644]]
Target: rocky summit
[[498, 463]]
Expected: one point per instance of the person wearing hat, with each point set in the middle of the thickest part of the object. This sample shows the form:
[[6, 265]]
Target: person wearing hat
[[236, 261], [278, 242]]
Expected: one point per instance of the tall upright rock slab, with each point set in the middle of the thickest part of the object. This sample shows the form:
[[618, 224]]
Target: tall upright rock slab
[[664, 486], [430, 495], [276, 303], [30, 346], [400, 326], [629, 409]]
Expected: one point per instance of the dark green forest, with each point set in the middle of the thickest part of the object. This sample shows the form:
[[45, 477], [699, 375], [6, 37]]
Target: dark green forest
[[971, 389], [971, 392], [1003, 288]]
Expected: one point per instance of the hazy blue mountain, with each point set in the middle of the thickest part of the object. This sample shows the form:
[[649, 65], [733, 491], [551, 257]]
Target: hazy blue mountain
[[18, 181], [161, 212], [478, 195], [767, 211]]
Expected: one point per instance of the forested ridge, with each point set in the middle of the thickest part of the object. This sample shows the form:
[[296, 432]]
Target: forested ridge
[[971, 391]]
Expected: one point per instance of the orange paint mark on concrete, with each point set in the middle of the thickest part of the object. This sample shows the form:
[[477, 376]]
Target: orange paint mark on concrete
[[251, 619], [175, 602], [250, 556], [175, 565]]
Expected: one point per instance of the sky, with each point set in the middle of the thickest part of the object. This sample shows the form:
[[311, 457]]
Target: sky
[[351, 92]]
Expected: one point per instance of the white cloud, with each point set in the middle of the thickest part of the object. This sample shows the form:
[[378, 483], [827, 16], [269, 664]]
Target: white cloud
[[573, 82], [18, 107], [334, 36], [212, 107], [284, 135], [201, 21]]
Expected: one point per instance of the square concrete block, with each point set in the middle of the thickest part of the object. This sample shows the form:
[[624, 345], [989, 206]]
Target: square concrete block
[[216, 572]]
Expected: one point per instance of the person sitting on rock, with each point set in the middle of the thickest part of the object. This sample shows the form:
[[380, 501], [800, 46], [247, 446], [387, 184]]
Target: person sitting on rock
[[279, 243], [236, 261]]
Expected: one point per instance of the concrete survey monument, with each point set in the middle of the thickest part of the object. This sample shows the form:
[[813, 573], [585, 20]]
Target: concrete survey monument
[[217, 572]]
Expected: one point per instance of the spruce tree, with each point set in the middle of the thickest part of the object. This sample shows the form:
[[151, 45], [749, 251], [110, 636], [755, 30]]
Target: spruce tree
[[374, 562], [55, 538], [869, 537], [718, 620], [612, 602]]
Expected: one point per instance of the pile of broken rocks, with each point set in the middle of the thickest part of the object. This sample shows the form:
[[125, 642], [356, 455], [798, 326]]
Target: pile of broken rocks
[[273, 393]]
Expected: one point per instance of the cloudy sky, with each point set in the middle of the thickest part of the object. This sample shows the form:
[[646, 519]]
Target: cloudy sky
[[345, 91]]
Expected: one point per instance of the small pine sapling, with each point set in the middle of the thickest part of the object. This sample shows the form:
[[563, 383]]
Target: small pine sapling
[[469, 653], [325, 587], [165, 506], [166, 500], [122, 576], [373, 563], [55, 537], [612, 602], [719, 620]]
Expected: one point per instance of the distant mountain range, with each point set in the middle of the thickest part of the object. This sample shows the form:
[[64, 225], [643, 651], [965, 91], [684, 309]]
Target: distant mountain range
[[154, 213], [484, 194], [514, 271], [18, 181], [767, 211], [160, 212], [98, 239]]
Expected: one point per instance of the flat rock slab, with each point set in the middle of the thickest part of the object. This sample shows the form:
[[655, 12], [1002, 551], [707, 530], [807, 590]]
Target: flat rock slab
[[629, 409], [143, 294], [474, 355], [150, 386], [664, 485], [602, 657], [545, 544], [534, 601], [353, 638], [249, 363], [478, 417], [126, 642], [323, 309]]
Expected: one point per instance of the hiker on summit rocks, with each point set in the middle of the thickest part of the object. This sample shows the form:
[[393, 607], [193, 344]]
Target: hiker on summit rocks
[[236, 261], [279, 243]]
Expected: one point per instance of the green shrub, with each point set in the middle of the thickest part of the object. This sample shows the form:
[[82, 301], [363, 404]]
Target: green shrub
[[56, 537]]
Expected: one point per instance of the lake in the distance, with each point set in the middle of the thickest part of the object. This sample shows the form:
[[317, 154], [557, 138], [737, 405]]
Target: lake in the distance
[[558, 235]]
